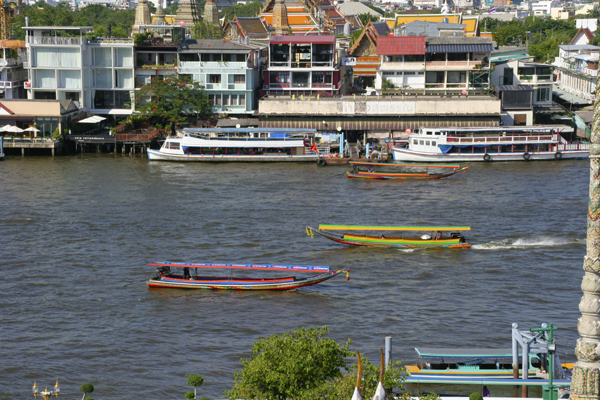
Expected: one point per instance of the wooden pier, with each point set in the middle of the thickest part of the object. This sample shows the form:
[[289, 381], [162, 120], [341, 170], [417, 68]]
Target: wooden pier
[[27, 145]]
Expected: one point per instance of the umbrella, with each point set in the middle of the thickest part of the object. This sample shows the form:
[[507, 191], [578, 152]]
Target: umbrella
[[92, 120], [32, 129], [11, 128]]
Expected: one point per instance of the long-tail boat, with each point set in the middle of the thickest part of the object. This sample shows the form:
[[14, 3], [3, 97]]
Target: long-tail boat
[[167, 278], [454, 240], [371, 170]]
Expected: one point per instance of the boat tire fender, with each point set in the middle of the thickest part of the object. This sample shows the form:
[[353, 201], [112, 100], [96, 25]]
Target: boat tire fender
[[321, 162], [487, 157], [558, 155], [526, 156]]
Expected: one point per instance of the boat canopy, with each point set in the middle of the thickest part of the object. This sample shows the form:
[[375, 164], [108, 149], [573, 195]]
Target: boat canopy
[[445, 148], [251, 130], [302, 268], [403, 165], [464, 353], [393, 228]]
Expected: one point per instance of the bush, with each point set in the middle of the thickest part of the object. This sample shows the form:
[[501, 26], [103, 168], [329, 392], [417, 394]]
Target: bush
[[475, 396], [189, 395]]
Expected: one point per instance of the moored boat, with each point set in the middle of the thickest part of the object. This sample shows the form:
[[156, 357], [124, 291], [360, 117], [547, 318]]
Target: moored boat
[[166, 278], [504, 143], [454, 239], [385, 171], [237, 145]]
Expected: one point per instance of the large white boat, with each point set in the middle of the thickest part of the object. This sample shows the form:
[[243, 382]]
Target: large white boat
[[504, 143], [237, 144]]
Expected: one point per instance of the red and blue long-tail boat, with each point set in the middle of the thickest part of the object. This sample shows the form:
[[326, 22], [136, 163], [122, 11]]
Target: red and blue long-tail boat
[[188, 278]]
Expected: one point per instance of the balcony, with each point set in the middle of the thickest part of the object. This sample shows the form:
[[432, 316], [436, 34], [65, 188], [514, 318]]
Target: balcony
[[11, 84], [303, 85], [301, 64], [528, 79], [51, 40], [571, 66], [213, 64], [452, 65]]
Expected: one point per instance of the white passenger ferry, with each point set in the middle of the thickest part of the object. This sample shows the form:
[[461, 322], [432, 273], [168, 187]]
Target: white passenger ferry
[[237, 144], [504, 143]]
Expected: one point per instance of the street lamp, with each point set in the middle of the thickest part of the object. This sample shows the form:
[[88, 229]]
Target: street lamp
[[46, 394]]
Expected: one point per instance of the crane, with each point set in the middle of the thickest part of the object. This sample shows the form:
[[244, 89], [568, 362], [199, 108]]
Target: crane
[[8, 10]]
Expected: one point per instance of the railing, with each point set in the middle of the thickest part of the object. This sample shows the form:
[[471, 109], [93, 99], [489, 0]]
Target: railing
[[137, 137], [28, 142], [11, 84], [459, 64], [577, 68], [55, 40], [502, 139], [574, 146], [212, 64]]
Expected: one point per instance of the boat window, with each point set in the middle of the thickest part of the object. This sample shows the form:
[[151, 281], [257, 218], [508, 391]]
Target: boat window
[[434, 143], [415, 141], [429, 133], [421, 142], [427, 143], [173, 145]]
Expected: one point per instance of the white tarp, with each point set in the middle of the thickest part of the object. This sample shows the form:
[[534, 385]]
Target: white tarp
[[92, 120], [379, 393], [356, 395]]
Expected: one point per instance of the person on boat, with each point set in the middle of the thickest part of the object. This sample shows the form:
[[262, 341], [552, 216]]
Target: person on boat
[[438, 235], [186, 273], [425, 237], [485, 392]]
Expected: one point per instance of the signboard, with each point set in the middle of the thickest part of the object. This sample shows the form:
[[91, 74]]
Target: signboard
[[349, 61]]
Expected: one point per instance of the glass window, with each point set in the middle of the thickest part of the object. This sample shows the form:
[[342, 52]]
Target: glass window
[[211, 98], [124, 57], [214, 78], [101, 57], [427, 143], [189, 57], [242, 99], [225, 99], [421, 142], [124, 78], [507, 78], [45, 78], [239, 79], [234, 100], [434, 143], [218, 99], [69, 79], [543, 93]]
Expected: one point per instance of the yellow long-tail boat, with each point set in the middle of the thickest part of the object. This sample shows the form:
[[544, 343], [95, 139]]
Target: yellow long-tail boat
[[431, 236]]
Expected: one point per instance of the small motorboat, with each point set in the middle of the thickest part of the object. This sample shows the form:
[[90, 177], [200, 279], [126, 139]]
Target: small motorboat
[[431, 236], [383, 171]]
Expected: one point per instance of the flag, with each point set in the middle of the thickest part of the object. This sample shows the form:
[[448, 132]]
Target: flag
[[492, 10], [314, 148]]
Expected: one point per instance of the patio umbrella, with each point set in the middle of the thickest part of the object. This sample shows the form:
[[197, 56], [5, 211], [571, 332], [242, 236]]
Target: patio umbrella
[[15, 129], [6, 128], [32, 129]]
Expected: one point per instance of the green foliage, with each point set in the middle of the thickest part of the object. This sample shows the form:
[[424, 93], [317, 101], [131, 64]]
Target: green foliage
[[171, 10], [287, 366], [386, 84], [86, 388], [171, 99], [190, 395], [374, 8], [138, 38], [195, 380], [366, 18], [251, 9], [206, 30], [355, 35], [509, 34], [62, 15], [475, 396]]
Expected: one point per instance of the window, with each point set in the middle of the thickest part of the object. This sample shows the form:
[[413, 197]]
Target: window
[[242, 99], [415, 141], [389, 73], [434, 143], [507, 78], [225, 99], [239, 79], [421, 142], [409, 73], [215, 78], [234, 100], [189, 57], [218, 100], [172, 145], [543, 93], [427, 143], [211, 98]]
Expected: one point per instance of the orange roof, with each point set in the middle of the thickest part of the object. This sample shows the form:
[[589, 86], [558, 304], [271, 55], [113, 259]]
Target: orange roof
[[471, 25], [404, 19], [299, 20]]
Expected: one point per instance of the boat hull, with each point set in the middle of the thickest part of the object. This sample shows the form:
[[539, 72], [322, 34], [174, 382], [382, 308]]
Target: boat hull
[[157, 155], [401, 176], [417, 373], [402, 154], [240, 284], [372, 241]]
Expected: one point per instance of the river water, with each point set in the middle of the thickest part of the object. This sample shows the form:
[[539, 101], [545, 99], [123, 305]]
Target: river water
[[77, 233]]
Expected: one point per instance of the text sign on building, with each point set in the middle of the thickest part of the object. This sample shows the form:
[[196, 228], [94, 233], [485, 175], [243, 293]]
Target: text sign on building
[[378, 107], [349, 61]]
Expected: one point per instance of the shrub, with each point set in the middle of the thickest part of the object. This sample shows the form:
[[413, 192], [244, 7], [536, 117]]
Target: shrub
[[475, 396]]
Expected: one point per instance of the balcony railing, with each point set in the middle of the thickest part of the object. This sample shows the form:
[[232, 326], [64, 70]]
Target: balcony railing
[[577, 68], [303, 85], [70, 41], [453, 64], [213, 64], [302, 64], [502, 139]]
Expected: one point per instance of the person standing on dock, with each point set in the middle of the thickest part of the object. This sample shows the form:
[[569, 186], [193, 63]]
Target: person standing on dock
[[485, 392]]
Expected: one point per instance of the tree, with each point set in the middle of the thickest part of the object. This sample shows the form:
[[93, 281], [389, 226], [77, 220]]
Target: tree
[[206, 30], [288, 366], [195, 381], [251, 9], [171, 99], [86, 388], [366, 18]]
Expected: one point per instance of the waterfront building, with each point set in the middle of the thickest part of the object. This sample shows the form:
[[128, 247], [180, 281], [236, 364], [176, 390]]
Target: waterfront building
[[252, 28], [363, 53], [229, 72], [438, 65], [96, 73], [302, 65], [577, 71], [12, 74], [155, 58], [582, 37]]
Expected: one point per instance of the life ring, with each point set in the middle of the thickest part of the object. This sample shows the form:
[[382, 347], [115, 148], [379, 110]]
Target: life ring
[[558, 155], [526, 156], [321, 162], [486, 157]]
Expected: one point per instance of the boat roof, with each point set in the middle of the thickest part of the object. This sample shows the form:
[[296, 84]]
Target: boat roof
[[249, 130], [403, 165], [269, 267], [504, 128], [485, 381], [392, 228], [464, 353]]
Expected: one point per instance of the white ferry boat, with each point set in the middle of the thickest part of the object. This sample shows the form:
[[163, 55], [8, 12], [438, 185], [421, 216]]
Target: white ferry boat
[[504, 143], [237, 144]]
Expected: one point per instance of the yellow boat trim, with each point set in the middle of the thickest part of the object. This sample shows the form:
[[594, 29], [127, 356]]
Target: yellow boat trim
[[393, 228]]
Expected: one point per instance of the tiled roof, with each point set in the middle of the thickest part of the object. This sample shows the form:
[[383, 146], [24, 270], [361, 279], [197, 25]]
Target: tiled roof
[[318, 39], [252, 26], [381, 28], [398, 45]]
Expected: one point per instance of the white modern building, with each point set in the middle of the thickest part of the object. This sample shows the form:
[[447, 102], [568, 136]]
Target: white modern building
[[577, 67], [12, 74], [65, 63]]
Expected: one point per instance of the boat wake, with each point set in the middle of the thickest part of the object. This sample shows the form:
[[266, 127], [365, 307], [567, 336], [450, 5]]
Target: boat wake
[[542, 241]]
